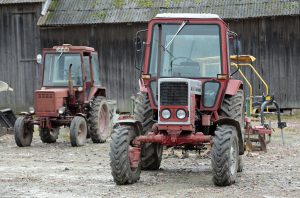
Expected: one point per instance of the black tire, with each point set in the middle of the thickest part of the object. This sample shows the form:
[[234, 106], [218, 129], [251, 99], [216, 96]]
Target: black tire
[[233, 107], [240, 164], [49, 136], [224, 155], [78, 131], [99, 120], [151, 152], [23, 132], [119, 160]]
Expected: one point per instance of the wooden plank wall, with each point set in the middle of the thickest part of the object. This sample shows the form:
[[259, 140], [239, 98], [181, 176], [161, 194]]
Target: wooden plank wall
[[19, 42], [275, 42]]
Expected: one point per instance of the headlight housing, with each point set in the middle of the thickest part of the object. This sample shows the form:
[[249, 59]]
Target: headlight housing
[[180, 114], [31, 110], [166, 114], [61, 110]]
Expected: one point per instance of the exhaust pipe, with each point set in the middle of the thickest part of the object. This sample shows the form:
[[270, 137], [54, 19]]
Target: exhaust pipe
[[70, 82]]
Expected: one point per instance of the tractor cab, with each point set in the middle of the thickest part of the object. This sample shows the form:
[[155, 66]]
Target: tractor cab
[[70, 72], [79, 64], [181, 47]]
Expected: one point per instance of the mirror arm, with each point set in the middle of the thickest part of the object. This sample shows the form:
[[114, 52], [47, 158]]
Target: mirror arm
[[237, 54], [138, 64]]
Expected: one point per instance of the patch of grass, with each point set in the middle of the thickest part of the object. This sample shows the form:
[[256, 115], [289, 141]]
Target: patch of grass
[[118, 3]]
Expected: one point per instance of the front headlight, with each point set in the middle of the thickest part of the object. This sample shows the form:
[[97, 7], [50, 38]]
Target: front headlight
[[61, 110], [180, 114], [166, 114], [31, 110]]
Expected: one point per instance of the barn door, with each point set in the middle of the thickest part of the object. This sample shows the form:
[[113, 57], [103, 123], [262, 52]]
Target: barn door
[[27, 44]]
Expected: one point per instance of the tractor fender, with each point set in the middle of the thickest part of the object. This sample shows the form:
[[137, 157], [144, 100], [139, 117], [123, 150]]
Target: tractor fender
[[236, 124], [82, 115], [137, 125], [233, 86], [24, 113], [97, 91]]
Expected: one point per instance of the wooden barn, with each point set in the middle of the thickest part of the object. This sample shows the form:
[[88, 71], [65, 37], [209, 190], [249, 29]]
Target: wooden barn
[[269, 29], [19, 44]]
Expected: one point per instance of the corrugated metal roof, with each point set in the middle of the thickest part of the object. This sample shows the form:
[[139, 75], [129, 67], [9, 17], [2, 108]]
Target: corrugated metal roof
[[20, 1], [71, 12]]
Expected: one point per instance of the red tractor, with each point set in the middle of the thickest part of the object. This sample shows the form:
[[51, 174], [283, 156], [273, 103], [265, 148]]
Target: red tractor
[[71, 95], [187, 99]]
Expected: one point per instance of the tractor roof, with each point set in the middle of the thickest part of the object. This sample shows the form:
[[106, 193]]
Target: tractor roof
[[188, 15], [71, 47]]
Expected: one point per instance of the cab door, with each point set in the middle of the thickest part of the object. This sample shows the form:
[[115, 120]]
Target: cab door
[[88, 77]]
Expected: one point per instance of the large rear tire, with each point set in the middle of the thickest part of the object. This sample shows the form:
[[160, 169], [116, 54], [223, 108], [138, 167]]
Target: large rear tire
[[78, 131], [224, 156], [122, 172], [23, 132], [99, 120], [49, 136], [151, 152], [233, 107]]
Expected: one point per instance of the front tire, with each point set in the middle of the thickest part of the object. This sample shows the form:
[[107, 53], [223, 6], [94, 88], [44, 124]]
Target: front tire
[[99, 120], [233, 107], [23, 132], [240, 164], [151, 152], [119, 156], [78, 131], [49, 136], [225, 153]]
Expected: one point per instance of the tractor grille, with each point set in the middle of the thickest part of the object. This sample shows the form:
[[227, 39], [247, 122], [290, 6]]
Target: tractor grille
[[45, 102], [174, 93]]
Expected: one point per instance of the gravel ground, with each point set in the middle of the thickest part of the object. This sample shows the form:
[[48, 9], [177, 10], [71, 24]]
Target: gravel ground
[[59, 170]]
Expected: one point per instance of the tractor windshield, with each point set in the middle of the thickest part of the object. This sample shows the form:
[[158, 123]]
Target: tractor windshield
[[56, 69], [194, 52]]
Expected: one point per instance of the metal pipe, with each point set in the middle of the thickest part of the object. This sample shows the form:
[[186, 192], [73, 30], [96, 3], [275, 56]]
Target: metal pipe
[[171, 140], [249, 85]]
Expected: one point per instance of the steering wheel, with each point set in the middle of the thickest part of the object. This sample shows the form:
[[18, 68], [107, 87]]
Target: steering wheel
[[180, 57]]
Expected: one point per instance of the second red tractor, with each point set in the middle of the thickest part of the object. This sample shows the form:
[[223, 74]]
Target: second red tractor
[[71, 95]]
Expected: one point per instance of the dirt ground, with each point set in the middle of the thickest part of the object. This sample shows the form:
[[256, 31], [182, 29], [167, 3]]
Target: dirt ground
[[59, 170]]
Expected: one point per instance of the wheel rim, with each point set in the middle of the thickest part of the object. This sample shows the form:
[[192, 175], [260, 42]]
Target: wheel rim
[[82, 131], [26, 132], [54, 131], [233, 158], [133, 169], [103, 120]]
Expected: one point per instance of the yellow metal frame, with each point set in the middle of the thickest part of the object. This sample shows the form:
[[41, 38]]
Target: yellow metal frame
[[246, 61]]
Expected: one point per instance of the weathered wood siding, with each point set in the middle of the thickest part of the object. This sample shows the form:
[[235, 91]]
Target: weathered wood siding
[[275, 42], [19, 44]]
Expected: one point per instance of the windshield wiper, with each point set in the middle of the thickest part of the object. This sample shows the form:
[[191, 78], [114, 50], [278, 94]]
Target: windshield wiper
[[178, 31], [163, 47]]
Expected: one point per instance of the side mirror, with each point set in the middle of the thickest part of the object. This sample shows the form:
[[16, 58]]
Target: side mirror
[[5, 87], [237, 46], [138, 44], [39, 58]]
